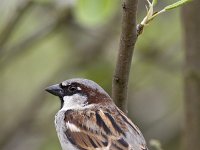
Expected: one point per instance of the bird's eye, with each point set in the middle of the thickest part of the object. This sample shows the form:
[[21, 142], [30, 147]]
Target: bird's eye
[[72, 89]]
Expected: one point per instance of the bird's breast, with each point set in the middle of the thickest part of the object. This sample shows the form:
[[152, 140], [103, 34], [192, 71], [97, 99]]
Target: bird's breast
[[61, 130]]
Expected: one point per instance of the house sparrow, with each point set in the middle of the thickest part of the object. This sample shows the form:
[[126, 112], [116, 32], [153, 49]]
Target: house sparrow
[[89, 119]]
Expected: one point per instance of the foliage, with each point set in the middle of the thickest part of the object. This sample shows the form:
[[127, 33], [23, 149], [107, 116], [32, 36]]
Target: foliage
[[150, 10], [94, 12]]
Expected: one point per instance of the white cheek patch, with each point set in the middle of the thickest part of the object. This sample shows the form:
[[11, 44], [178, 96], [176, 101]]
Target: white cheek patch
[[75, 101], [64, 84], [72, 127], [79, 88]]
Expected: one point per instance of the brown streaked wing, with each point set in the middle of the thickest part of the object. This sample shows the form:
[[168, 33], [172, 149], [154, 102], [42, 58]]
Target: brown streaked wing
[[129, 122], [137, 133], [97, 130], [86, 141]]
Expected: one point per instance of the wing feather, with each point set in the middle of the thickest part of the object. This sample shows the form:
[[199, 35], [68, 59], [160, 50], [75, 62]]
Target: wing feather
[[98, 130]]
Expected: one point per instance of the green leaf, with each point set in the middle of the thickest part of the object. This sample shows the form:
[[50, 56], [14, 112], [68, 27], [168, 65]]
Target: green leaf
[[94, 12], [155, 2], [177, 4]]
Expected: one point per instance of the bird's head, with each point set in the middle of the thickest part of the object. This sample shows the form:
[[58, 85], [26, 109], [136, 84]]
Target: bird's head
[[79, 93]]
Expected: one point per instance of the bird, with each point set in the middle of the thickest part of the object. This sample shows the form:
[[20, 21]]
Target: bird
[[88, 119]]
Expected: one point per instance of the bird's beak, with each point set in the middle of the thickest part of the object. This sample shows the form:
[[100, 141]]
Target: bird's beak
[[55, 90]]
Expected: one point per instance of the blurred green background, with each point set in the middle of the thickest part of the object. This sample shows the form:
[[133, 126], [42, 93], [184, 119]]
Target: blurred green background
[[43, 42]]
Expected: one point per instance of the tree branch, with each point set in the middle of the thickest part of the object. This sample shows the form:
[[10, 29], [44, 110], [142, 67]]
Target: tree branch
[[127, 42], [191, 25]]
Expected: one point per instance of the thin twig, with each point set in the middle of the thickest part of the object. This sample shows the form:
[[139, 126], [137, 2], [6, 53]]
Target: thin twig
[[127, 43]]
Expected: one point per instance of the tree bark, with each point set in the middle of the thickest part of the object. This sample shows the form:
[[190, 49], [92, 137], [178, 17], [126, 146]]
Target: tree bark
[[191, 24], [127, 42]]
